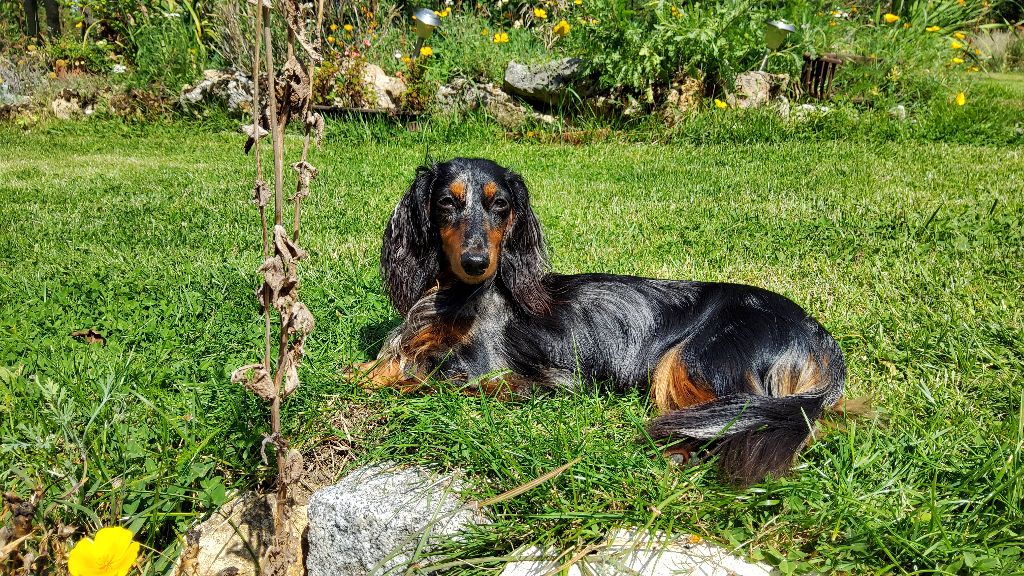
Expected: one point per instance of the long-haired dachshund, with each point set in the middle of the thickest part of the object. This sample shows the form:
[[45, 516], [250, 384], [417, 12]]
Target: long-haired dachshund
[[740, 370]]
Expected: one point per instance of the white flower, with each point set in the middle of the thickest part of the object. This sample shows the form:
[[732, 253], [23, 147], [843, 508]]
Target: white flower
[[118, 69], [397, 54]]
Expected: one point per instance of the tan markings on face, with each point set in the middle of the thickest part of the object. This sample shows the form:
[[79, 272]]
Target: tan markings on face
[[458, 189], [671, 385], [451, 242], [490, 189]]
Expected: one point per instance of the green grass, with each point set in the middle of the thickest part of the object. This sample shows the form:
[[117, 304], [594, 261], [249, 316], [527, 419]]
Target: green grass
[[909, 251]]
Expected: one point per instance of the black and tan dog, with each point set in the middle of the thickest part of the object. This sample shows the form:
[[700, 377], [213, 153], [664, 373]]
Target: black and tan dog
[[740, 370]]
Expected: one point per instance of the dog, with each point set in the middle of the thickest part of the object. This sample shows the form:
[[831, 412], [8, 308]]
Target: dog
[[735, 370]]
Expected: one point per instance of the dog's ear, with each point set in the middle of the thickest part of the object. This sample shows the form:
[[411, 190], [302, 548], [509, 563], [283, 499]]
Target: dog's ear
[[523, 261], [409, 257]]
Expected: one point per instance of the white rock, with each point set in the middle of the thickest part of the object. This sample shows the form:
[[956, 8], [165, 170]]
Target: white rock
[[229, 87], [372, 520], [536, 562], [630, 552]]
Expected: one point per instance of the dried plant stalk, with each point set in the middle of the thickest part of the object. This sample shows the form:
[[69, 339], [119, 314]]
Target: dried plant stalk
[[288, 95]]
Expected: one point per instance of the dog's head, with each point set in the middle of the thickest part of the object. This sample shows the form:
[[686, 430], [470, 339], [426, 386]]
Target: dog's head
[[468, 221]]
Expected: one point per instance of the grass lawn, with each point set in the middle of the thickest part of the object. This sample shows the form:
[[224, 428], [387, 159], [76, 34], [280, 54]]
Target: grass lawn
[[909, 252]]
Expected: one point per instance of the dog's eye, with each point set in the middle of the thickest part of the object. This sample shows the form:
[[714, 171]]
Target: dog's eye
[[500, 204], [446, 202]]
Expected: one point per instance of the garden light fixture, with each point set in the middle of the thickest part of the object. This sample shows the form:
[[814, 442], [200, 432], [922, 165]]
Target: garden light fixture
[[426, 21], [775, 33]]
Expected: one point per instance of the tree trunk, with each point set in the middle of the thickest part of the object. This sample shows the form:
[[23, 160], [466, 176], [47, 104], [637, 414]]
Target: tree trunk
[[31, 18], [52, 17]]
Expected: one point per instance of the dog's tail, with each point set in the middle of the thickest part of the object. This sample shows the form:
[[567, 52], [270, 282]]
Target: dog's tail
[[753, 435]]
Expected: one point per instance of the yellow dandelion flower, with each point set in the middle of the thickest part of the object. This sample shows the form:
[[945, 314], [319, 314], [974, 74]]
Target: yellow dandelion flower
[[53, 75], [973, 69], [112, 553], [906, 25], [933, 29], [577, 2], [890, 18], [562, 28], [78, 24], [501, 37], [961, 99], [720, 104], [961, 2], [426, 51], [955, 45], [956, 61], [485, 32], [959, 35], [694, 539], [348, 27], [334, 27], [443, 13], [831, 22], [330, 39], [406, 59], [977, 51], [540, 13]]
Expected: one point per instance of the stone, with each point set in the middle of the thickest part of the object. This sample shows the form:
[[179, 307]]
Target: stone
[[462, 93], [70, 104], [683, 97], [635, 553], [535, 561], [373, 520], [229, 88], [806, 111], [756, 89], [388, 89], [547, 83], [227, 539]]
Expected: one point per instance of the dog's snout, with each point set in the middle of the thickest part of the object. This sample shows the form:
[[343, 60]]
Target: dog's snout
[[475, 263]]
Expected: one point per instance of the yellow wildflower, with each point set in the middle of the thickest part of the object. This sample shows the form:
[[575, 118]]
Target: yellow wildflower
[[426, 51], [956, 61], [447, 11], [562, 28], [961, 2], [53, 75], [486, 32], [406, 59], [933, 29], [112, 553], [501, 37], [676, 12], [348, 27], [906, 25], [694, 539], [540, 13], [831, 22], [955, 45], [890, 18], [959, 35], [330, 39], [961, 99], [334, 27], [977, 51], [973, 69], [720, 104], [78, 24], [577, 2]]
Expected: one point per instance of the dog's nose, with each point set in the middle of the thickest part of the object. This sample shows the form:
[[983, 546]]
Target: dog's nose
[[475, 263]]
